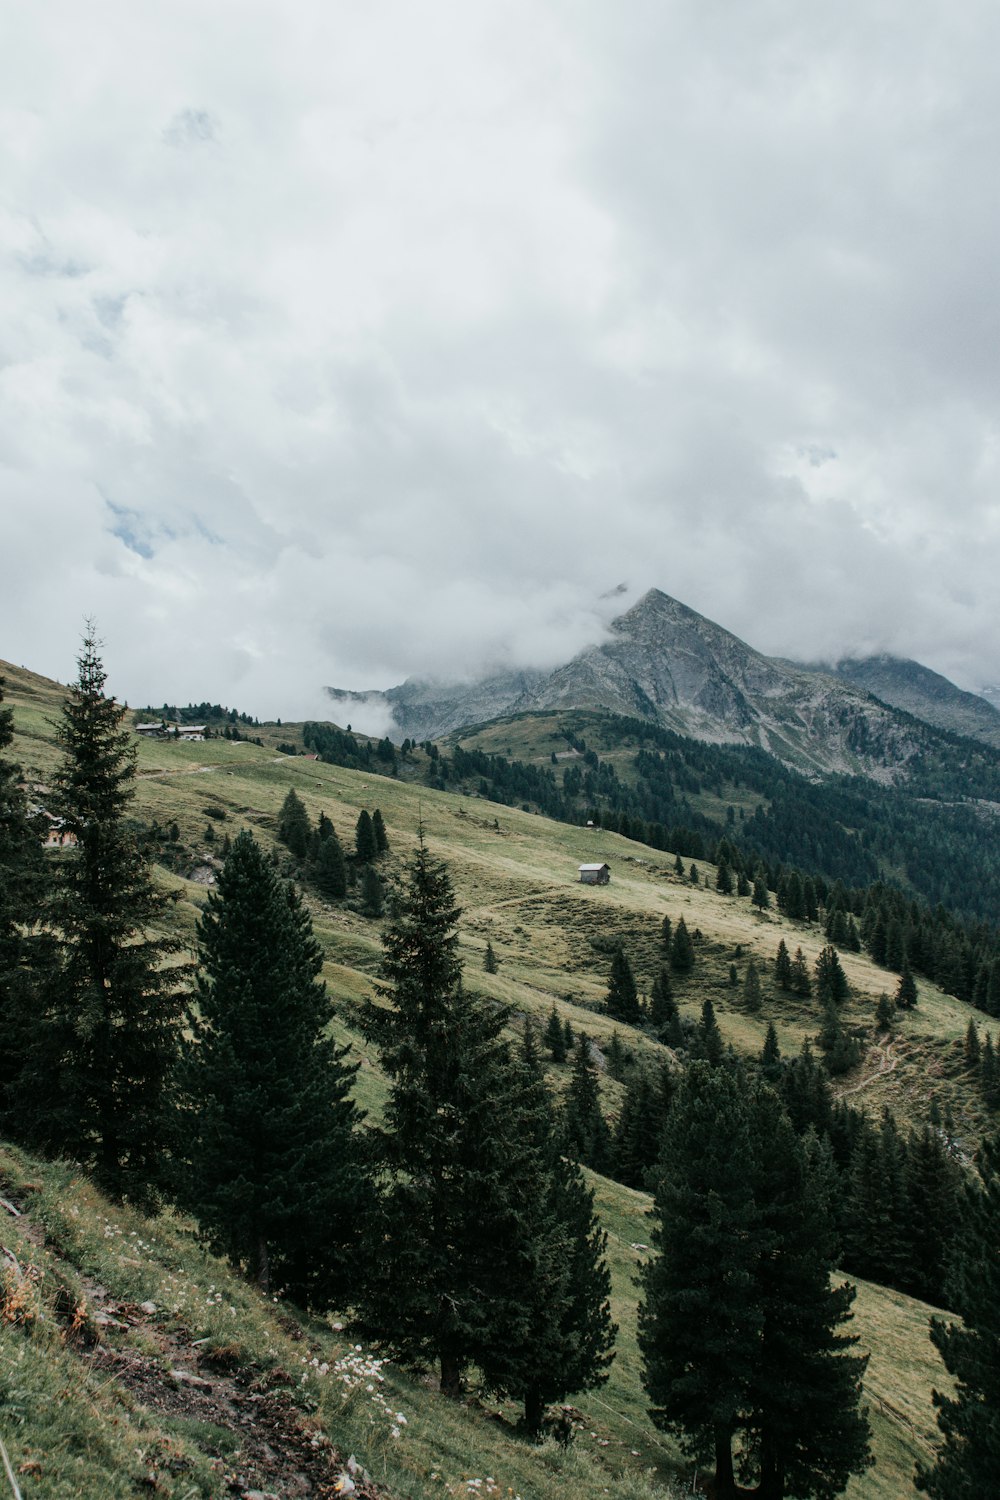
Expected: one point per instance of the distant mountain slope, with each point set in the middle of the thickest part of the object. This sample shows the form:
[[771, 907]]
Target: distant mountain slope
[[925, 694], [666, 663]]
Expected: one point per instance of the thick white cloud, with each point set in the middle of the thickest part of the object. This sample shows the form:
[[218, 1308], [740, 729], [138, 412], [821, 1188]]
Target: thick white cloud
[[355, 342]]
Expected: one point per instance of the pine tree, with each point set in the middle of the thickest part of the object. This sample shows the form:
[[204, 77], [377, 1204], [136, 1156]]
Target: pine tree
[[699, 1322], [555, 1038], [273, 1161], [490, 964], [622, 1000], [906, 993], [25, 950], [639, 1133], [971, 1049], [372, 901], [568, 1341], [932, 1183], [799, 975], [753, 997], [885, 1011], [585, 1134], [666, 934], [770, 1057], [804, 1432], [378, 829], [707, 1039], [663, 1013], [294, 827], [110, 1028], [760, 897], [831, 981], [330, 869], [681, 949], [840, 1049], [783, 967], [364, 838], [968, 1461], [447, 1280], [724, 879]]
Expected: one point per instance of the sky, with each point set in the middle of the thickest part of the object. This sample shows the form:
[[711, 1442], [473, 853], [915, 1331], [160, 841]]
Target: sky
[[343, 343]]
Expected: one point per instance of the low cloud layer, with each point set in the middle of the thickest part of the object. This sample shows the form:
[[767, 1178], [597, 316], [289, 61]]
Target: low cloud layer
[[357, 343]]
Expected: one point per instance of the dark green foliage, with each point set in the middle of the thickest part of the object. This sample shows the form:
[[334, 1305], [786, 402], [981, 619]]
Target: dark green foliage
[[568, 1338], [968, 1462], [885, 1012], [666, 933], [770, 1057], [753, 997], [663, 1013], [364, 838], [622, 999], [841, 1050], [798, 976], [372, 900], [98, 1084], [875, 1208], [739, 1327], [490, 964], [831, 981], [329, 871], [447, 1279], [932, 1181], [724, 879], [707, 1041], [273, 1164], [681, 949], [568, 1035], [783, 967], [294, 827], [989, 1074], [693, 876], [378, 829], [906, 992], [972, 1045], [639, 1133], [25, 953], [585, 1134], [761, 899], [555, 1037]]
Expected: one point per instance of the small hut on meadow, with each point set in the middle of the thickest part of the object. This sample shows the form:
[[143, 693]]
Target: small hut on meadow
[[595, 874]]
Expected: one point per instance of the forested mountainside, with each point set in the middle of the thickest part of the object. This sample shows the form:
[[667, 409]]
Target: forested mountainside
[[669, 666], [688, 977]]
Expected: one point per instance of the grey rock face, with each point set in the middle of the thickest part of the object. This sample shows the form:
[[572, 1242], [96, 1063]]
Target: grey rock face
[[666, 663]]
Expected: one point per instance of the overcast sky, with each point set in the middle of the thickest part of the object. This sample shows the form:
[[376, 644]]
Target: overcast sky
[[346, 342]]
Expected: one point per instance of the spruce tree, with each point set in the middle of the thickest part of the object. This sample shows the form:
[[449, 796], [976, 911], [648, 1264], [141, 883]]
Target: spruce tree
[[378, 829], [273, 1159], [663, 1013], [455, 1249], [770, 1057], [799, 975], [568, 1338], [753, 997], [622, 1000], [783, 967], [490, 964], [666, 934], [372, 901], [330, 869], [555, 1037], [699, 1321], [364, 838], [906, 992], [831, 981], [681, 949], [968, 1461], [760, 896], [109, 1030], [707, 1039], [804, 1431], [25, 950], [294, 827], [585, 1134]]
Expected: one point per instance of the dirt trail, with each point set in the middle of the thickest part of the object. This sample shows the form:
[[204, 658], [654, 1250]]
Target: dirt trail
[[886, 1064]]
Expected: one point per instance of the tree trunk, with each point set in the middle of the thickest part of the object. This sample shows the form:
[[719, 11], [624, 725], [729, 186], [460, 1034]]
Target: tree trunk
[[451, 1376], [534, 1410], [262, 1265], [725, 1479]]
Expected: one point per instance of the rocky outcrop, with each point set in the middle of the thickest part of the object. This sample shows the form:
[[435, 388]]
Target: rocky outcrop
[[666, 663], [925, 694]]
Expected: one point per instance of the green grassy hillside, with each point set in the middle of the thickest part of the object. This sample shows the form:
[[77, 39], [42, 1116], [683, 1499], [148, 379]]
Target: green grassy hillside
[[515, 875]]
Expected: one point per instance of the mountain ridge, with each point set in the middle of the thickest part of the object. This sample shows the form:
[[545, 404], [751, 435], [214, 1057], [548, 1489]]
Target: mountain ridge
[[664, 662]]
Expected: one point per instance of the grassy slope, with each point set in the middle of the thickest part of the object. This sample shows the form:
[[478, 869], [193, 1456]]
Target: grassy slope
[[515, 875]]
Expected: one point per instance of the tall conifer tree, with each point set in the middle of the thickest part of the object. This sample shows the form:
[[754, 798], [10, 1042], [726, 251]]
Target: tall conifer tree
[[273, 1161], [109, 1034]]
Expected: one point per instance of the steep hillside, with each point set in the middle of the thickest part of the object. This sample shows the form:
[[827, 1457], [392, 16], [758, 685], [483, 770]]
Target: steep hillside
[[515, 875], [925, 694], [667, 664]]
